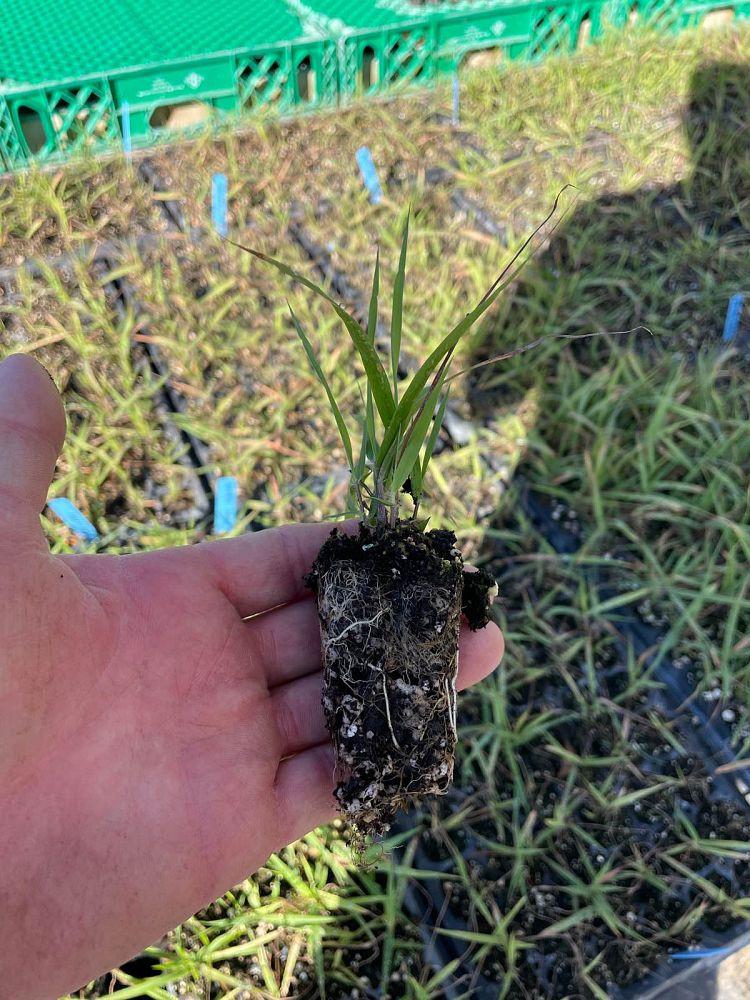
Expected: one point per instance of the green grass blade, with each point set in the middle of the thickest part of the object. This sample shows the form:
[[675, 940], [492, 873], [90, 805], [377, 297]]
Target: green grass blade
[[369, 440], [408, 401], [432, 439], [369, 444], [397, 313], [406, 406], [372, 443], [418, 431], [343, 432], [416, 480], [376, 374], [359, 470], [439, 978], [581, 916], [524, 348], [372, 316], [419, 469]]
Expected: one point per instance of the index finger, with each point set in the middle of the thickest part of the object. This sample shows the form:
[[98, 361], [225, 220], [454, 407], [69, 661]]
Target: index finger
[[265, 569]]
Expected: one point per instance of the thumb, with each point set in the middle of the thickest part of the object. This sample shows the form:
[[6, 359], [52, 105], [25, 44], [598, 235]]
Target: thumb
[[32, 431]]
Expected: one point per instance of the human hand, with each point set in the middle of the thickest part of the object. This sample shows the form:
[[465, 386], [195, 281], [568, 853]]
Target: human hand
[[155, 745]]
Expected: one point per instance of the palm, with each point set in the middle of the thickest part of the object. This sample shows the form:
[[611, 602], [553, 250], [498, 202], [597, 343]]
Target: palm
[[160, 722], [155, 673]]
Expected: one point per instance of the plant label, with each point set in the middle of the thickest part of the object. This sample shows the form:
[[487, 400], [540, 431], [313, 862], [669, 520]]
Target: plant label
[[225, 504], [127, 142], [734, 313], [72, 518], [219, 203], [369, 173]]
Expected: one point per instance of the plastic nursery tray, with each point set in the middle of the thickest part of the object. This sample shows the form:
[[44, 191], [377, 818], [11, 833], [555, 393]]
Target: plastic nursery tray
[[718, 976], [712, 732], [707, 734], [160, 471], [169, 403], [705, 739], [101, 257]]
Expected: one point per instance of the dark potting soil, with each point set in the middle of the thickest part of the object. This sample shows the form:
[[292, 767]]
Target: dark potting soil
[[389, 603]]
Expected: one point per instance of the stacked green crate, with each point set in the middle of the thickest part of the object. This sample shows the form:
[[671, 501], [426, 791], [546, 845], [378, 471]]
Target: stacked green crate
[[69, 67], [392, 42]]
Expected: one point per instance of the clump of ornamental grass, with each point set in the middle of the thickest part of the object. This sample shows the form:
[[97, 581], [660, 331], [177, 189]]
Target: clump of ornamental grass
[[390, 597]]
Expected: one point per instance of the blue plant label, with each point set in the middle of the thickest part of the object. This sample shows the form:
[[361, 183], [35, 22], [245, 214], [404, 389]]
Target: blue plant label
[[225, 504], [369, 173], [127, 142], [701, 953], [456, 102], [72, 518], [219, 203], [732, 322]]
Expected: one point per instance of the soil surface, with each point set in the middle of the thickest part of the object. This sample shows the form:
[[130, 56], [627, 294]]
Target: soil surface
[[389, 603]]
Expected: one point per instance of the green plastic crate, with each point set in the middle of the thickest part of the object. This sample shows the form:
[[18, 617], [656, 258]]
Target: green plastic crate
[[676, 15], [421, 50], [67, 67]]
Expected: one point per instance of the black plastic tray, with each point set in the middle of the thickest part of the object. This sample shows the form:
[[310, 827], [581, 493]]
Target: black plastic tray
[[706, 738]]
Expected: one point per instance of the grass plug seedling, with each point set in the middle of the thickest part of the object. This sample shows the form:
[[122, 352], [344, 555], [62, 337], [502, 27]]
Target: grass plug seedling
[[390, 597]]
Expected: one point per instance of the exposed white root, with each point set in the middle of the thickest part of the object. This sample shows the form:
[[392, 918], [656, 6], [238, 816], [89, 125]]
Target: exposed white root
[[357, 624], [388, 713], [450, 690]]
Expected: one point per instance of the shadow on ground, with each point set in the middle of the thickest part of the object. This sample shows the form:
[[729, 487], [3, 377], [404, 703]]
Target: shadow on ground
[[666, 258]]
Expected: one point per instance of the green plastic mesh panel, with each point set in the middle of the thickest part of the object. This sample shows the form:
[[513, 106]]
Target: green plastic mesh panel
[[555, 30], [674, 15], [408, 56], [51, 124], [375, 61], [306, 73], [10, 148], [356, 74], [664, 14], [83, 116], [265, 79], [331, 71]]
